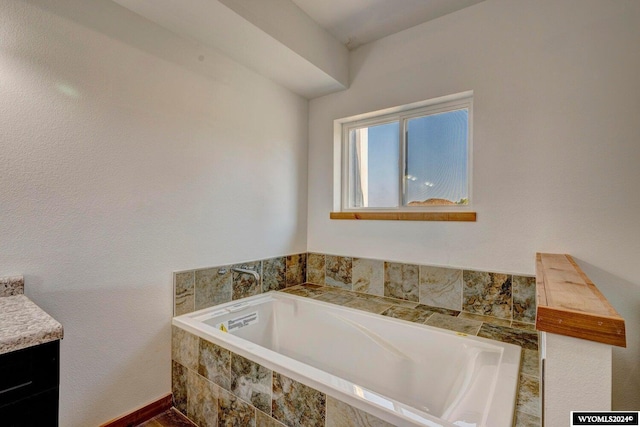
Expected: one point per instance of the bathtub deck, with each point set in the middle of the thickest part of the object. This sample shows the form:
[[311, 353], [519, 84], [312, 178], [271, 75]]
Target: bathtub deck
[[512, 332]]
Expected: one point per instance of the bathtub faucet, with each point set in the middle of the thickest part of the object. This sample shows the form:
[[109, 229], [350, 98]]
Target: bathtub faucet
[[246, 270]]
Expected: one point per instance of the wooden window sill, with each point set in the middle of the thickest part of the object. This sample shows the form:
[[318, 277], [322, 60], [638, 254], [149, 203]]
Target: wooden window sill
[[406, 216]]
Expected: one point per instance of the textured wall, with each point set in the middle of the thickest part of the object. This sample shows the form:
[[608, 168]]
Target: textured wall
[[126, 154], [555, 149]]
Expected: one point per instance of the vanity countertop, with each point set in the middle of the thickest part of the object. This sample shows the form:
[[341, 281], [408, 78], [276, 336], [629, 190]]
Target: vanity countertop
[[23, 324]]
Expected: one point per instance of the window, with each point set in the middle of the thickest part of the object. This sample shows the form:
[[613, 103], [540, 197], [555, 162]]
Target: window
[[411, 158]]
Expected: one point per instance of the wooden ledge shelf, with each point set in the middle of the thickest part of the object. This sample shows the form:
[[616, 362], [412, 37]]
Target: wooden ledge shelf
[[406, 216], [570, 304]]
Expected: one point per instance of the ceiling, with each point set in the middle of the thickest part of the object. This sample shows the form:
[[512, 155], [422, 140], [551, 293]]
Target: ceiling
[[356, 22], [302, 45]]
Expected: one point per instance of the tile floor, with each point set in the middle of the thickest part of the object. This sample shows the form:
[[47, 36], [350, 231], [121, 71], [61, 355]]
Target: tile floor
[[170, 418]]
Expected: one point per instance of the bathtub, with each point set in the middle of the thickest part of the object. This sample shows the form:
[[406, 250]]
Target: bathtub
[[404, 373]]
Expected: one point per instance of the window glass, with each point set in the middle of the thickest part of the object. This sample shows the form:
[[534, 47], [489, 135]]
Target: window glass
[[436, 159], [374, 152], [413, 157]]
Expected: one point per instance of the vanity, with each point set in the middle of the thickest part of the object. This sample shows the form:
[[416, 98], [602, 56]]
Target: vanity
[[29, 359]]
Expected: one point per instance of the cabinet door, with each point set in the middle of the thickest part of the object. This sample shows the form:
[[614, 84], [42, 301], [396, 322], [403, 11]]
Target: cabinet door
[[29, 371], [40, 410]]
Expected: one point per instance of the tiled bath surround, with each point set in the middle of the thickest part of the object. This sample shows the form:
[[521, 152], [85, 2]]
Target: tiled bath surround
[[206, 287], [503, 296], [214, 386], [475, 293]]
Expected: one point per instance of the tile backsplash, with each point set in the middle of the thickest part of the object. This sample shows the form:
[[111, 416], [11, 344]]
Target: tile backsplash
[[475, 293], [296, 269], [501, 296], [206, 287]]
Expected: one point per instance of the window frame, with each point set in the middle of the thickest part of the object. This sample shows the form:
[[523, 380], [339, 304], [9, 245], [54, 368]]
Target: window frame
[[400, 114]]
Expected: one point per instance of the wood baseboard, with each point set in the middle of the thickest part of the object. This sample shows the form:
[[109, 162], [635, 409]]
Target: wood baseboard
[[142, 414]]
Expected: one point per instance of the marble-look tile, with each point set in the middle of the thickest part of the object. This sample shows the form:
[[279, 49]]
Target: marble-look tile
[[264, 420], [340, 414], [233, 412], [315, 268], [213, 288], [485, 319], [370, 305], [368, 276], [202, 401], [440, 310], [338, 271], [401, 281], [524, 299], [169, 418], [251, 382], [214, 363], [524, 339], [274, 274], [487, 293], [408, 314], [441, 287], [530, 364], [179, 386], [184, 348], [525, 326], [296, 271], [295, 404], [245, 285], [306, 290], [465, 326], [184, 297], [335, 290], [526, 420], [151, 423], [529, 396], [11, 285], [335, 298], [394, 301]]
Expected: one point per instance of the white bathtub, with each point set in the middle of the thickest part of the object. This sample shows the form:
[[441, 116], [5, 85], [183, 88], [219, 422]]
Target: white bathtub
[[404, 373]]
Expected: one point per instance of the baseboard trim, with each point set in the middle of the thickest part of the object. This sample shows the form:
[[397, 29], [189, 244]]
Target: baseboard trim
[[142, 414]]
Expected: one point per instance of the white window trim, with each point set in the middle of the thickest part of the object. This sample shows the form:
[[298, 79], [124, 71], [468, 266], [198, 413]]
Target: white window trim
[[341, 128]]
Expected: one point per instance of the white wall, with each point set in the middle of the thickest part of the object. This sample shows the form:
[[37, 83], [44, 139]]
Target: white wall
[[127, 153], [556, 145]]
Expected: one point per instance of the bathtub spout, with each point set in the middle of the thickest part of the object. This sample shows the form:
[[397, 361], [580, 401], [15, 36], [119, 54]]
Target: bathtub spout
[[244, 270]]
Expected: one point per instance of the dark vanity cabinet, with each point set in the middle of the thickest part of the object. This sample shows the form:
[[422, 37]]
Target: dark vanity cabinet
[[29, 380]]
